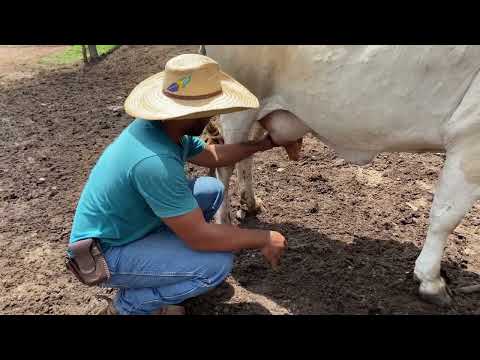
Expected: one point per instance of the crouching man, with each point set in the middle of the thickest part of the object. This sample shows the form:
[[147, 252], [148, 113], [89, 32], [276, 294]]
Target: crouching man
[[141, 225]]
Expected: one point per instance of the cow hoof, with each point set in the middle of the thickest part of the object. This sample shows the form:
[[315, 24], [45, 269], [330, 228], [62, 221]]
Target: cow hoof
[[222, 219], [436, 292], [240, 214], [256, 208], [258, 205]]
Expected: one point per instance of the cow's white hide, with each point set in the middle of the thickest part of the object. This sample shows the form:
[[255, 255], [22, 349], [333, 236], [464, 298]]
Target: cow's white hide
[[362, 100]]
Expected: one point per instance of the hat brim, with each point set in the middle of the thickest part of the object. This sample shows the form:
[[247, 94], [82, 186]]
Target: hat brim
[[147, 101]]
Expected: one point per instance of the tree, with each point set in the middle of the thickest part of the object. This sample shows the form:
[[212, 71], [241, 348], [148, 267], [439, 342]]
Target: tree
[[92, 49], [93, 52], [84, 53]]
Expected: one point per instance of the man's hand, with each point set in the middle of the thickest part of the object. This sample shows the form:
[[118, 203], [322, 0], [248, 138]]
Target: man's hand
[[266, 143], [216, 156], [292, 148], [274, 248]]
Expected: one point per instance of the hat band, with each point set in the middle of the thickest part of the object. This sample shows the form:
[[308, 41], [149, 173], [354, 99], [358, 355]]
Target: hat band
[[194, 97]]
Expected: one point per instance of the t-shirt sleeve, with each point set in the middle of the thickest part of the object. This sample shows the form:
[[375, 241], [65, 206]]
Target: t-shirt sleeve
[[164, 186], [195, 146]]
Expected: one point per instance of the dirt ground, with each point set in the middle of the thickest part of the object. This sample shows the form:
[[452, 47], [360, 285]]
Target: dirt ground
[[21, 61], [354, 232]]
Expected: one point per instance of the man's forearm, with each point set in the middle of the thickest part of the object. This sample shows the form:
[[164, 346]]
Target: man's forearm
[[202, 236], [219, 237], [230, 154]]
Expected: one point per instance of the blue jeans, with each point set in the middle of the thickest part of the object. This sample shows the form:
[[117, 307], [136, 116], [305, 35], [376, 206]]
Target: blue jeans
[[160, 269]]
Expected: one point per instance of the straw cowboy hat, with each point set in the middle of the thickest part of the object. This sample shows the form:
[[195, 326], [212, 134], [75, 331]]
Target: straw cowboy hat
[[192, 86]]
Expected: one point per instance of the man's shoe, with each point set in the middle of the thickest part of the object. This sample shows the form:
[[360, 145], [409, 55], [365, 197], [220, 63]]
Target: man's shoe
[[109, 309], [170, 310], [166, 310]]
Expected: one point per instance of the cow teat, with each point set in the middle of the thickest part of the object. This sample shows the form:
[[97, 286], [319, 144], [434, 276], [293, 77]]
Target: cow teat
[[286, 130], [293, 150]]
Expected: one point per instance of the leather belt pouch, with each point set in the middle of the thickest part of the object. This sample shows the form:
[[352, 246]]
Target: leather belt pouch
[[87, 262]]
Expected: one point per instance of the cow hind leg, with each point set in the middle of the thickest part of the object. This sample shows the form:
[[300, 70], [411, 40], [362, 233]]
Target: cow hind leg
[[235, 128], [252, 203], [223, 214], [245, 177], [455, 196]]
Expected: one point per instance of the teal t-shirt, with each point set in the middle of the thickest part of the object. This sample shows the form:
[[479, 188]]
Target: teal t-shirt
[[139, 179]]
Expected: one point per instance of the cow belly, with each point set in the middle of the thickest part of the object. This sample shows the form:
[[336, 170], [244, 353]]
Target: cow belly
[[364, 98]]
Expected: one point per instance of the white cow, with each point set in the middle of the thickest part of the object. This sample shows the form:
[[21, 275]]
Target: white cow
[[363, 100]]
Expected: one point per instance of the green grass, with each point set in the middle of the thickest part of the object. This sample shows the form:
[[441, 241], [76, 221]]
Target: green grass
[[72, 55]]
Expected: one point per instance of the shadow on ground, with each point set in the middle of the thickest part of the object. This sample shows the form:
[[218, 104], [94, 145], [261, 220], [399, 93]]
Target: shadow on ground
[[324, 276]]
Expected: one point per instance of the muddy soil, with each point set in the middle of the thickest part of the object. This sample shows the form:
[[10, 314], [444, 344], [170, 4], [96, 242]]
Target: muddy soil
[[354, 232]]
